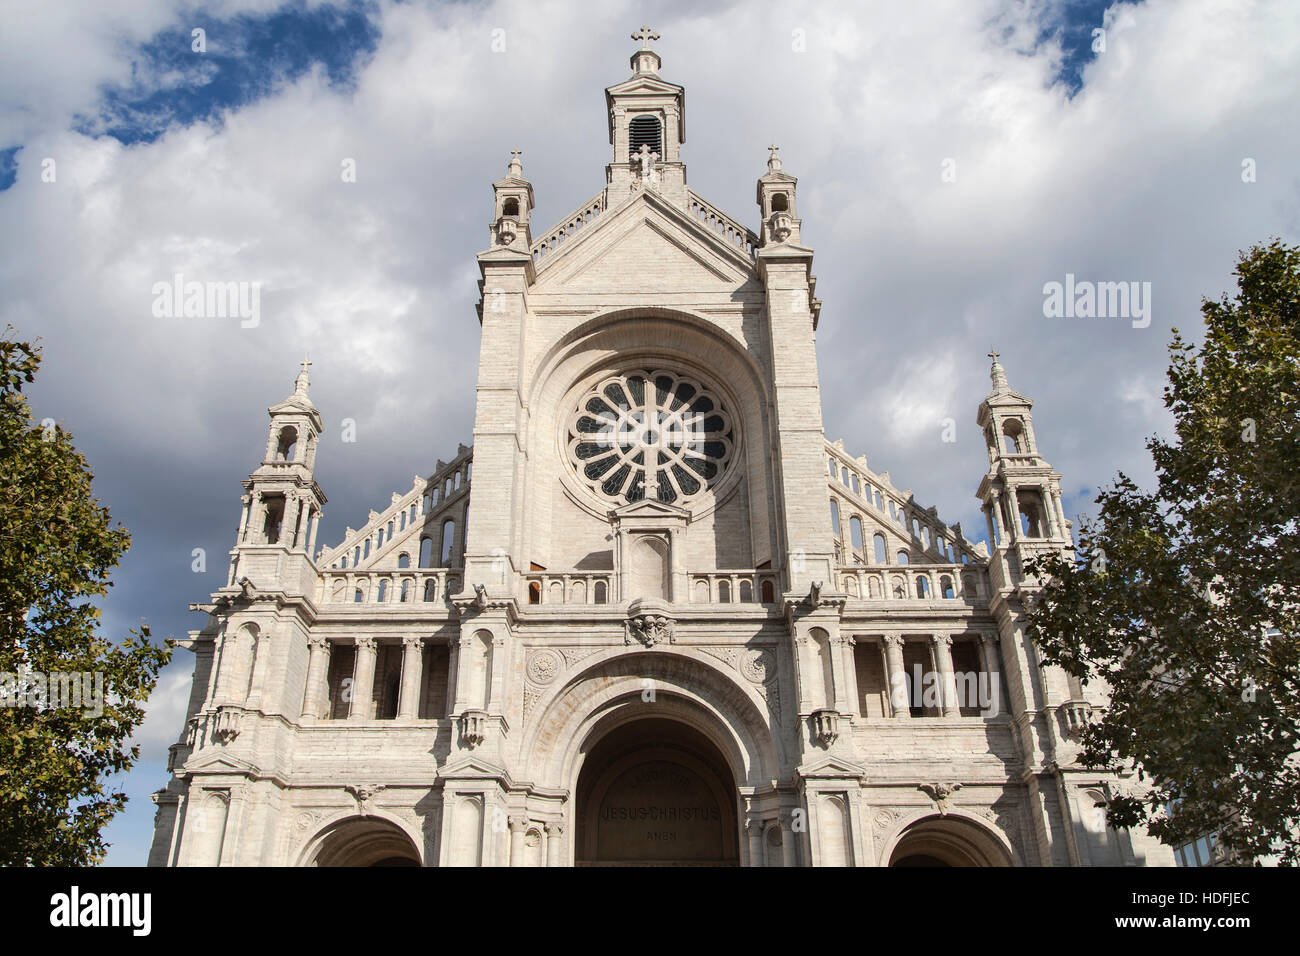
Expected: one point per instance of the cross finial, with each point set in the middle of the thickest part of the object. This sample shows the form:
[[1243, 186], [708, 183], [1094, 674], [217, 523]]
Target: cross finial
[[645, 35], [997, 373], [300, 384], [774, 148]]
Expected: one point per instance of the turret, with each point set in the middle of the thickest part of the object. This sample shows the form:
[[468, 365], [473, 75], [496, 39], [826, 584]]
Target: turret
[[647, 127], [282, 503], [1021, 494], [775, 199]]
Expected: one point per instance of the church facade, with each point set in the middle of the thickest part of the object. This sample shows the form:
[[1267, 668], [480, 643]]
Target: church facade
[[651, 615]]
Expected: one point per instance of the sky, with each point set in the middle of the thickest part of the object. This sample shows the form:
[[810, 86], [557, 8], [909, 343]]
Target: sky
[[954, 157]]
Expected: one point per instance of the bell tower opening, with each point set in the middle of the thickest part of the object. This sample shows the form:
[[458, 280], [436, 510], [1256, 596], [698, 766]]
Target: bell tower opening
[[645, 131], [656, 792]]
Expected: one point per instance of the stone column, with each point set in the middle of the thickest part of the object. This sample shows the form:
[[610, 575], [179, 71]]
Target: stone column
[[518, 825], [289, 521], [847, 645], [412, 670], [895, 676], [315, 526], [246, 506], [989, 649], [318, 660], [454, 702], [754, 831], [1060, 511], [943, 664], [1002, 538], [1013, 506], [788, 837], [554, 843], [363, 684]]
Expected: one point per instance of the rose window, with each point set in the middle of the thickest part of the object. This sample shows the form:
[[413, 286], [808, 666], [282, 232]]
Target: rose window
[[653, 435]]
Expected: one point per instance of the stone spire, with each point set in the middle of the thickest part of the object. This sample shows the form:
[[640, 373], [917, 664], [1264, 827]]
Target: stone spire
[[516, 165], [302, 381], [998, 373]]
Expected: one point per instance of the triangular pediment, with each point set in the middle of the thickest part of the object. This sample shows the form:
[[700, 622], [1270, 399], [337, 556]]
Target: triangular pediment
[[831, 766], [219, 762], [650, 509], [643, 84], [473, 767], [648, 246]]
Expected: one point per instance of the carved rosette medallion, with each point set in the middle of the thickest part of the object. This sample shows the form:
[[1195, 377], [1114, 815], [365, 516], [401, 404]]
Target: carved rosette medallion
[[543, 666]]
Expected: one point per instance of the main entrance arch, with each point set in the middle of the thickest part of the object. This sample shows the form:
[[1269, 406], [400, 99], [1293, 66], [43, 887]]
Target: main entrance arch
[[941, 841], [656, 791], [362, 841]]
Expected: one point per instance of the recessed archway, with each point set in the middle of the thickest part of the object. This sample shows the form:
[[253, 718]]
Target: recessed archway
[[657, 792], [939, 841], [362, 841]]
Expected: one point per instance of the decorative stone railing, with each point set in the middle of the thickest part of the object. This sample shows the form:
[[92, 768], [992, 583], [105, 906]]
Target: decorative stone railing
[[598, 587], [569, 226], [719, 222], [733, 587], [423, 586], [569, 587], [911, 582]]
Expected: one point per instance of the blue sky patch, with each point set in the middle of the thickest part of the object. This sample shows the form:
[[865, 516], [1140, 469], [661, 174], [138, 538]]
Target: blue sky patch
[[246, 59]]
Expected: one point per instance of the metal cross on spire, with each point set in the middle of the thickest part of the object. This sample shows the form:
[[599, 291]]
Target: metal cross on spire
[[300, 384], [645, 35]]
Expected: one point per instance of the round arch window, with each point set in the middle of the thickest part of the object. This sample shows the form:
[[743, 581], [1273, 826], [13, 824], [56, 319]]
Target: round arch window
[[650, 434]]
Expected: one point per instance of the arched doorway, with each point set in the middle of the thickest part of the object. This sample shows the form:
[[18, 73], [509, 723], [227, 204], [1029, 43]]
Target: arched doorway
[[948, 841], [656, 791], [362, 841]]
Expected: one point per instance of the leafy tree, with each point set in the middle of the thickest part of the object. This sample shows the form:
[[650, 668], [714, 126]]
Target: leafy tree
[[1185, 600], [56, 551]]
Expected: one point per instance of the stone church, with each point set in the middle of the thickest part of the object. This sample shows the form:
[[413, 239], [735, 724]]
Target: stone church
[[651, 615]]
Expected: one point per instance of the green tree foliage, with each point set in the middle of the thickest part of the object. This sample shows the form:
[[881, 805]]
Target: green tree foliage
[[56, 551], [1185, 600]]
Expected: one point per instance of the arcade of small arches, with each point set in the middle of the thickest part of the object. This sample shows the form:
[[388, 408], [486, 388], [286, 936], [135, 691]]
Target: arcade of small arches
[[926, 539]]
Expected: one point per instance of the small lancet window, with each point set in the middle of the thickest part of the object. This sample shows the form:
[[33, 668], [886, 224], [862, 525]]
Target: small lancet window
[[448, 539]]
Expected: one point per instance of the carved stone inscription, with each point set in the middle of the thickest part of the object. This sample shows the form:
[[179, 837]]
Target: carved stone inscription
[[659, 810]]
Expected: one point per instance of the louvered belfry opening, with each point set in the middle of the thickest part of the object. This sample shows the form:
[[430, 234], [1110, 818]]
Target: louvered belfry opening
[[645, 130]]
